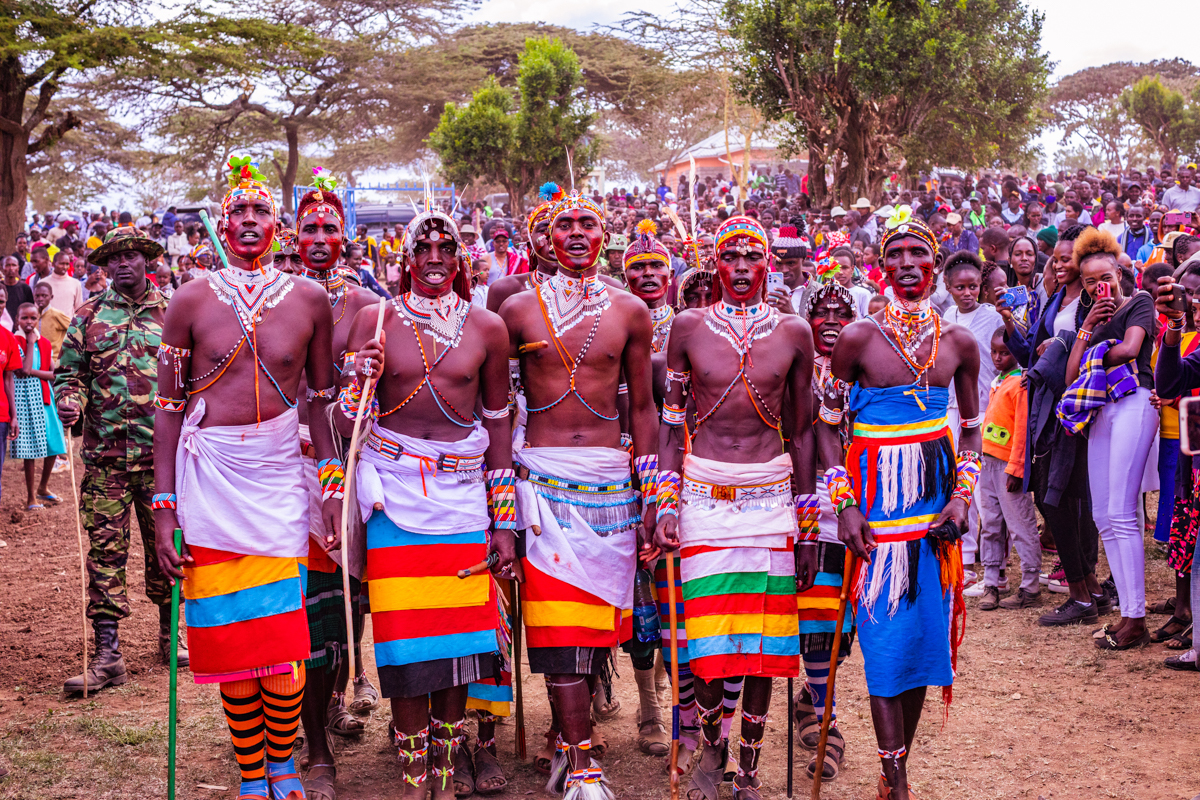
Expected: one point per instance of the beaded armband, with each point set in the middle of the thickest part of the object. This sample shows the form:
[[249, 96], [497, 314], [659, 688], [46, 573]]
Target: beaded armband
[[682, 378], [627, 444], [348, 362], [333, 479], [502, 498], [351, 396], [498, 414], [808, 514], [176, 356], [966, 475], [830, 416], [1175, 324], [170, 404], [622, 388], [323, 394], [669, 483], [674, 415], [646, 468], [164, 500], [841, 491], [974, 422]]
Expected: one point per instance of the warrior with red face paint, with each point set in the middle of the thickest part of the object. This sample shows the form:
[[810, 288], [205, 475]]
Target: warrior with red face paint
[[229, 471], [902, 495], [741, 497], [318, 244], [578, 499]]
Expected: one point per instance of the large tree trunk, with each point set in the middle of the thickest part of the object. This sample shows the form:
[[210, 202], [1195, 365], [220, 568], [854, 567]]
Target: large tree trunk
[[14, 144], [292, 130], [816, 174]]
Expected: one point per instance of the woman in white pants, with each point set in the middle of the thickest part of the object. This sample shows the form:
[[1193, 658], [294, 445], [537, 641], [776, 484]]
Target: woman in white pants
[[1122, 433]]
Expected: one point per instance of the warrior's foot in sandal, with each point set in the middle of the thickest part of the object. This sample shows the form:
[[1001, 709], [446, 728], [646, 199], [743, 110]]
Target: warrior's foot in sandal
[[464, 773], [1163, 607], [489, 776], [808, 730], [1180, 641], [366, 698], [653, 739], [599, 744], [709, 774], [835, 749], [751, 791], [543, 757], [604, 710], [321, 785], [342, 723]]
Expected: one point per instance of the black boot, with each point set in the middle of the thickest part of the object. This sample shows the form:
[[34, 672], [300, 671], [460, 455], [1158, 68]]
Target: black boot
[[164, 638], [107, 667]]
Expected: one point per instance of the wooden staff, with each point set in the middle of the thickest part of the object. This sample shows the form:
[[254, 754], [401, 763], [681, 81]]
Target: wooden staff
[[82, 554], [670, 557], [516, 663], [827, 717], [173, 710], [362, 408], [791, 735]]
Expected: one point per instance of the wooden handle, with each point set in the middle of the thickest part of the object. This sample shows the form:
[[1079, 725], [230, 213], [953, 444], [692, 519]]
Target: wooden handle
[[531, 347], [843, 598], [670, 557]]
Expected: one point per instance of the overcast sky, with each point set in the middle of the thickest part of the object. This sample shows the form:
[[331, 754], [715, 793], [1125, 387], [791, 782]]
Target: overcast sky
[[1077, 35]]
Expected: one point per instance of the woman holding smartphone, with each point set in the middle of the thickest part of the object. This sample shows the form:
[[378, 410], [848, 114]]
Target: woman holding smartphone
[[1122, 432]]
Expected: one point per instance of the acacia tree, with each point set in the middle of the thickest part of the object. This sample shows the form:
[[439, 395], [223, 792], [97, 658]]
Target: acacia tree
[[44, 45], [518, 139], [870, 83], [1163, 115]]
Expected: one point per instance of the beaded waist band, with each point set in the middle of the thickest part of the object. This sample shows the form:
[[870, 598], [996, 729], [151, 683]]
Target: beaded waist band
[[444, 463], [767, 495], [526, 474]]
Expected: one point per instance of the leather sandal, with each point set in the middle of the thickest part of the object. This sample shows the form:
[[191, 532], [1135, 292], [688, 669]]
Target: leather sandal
[[322, 787], [487, 768], [835, 750], [708, 781]]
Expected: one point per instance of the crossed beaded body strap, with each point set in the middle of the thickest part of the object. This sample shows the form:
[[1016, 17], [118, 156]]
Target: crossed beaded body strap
[[756, 399], [442, 403], [571, 363]]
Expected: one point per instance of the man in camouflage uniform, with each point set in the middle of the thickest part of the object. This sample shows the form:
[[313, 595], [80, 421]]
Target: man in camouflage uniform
[[108, 373]]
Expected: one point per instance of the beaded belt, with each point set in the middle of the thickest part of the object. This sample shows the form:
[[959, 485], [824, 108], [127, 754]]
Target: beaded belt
[[526, 474], [698, 490], [444, 463]]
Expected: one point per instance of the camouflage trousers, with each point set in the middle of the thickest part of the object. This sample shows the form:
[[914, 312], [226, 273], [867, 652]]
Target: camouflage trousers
[[107, 497]]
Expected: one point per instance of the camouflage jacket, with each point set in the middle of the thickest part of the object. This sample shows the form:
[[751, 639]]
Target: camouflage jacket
[[109, 366]]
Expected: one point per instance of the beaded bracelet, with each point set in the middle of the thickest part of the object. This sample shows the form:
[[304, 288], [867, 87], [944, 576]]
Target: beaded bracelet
[[322, 394], [1083, 336], [333, 479], [673, 415], [646, 468], [348, 362], [808, 515], [498, 414], [164, 500], [170, 404], [841, 491], [350, 397], [502, 498], [669, 483], [830, 416], [966, 472], [1175, 324]]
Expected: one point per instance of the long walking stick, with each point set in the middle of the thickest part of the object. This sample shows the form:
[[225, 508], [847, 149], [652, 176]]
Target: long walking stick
[[82, 554], [827, 717], [174, 686], [670, 557], [362, 408], [516, 676], [791, 734]]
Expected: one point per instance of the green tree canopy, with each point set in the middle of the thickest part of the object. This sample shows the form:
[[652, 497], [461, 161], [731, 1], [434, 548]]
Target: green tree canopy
[[1163, 115], [519, 139]]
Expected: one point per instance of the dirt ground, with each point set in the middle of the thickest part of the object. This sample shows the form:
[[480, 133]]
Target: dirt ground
[[1036, 712]]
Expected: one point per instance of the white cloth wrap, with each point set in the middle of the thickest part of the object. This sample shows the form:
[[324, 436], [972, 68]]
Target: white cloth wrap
[[443, 505], [603, 566], [242, 487], [724, 526], [316, 522]]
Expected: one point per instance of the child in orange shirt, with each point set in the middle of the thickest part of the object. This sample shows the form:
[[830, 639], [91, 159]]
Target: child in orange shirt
[[1000, 497]]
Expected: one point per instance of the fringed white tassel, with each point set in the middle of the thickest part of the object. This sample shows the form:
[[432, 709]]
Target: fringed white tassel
[[558, 768], [901, 475], [594, 787], [889, 563]]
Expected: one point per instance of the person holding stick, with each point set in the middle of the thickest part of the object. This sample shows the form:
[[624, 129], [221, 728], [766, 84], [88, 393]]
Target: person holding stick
[[829, 308], [229, 472], [902, 497], [107, 374], [320, 237], [740, 498], [429, 496]]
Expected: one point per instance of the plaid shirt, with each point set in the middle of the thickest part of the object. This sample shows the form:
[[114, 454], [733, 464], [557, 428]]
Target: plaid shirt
[[1094, 387]]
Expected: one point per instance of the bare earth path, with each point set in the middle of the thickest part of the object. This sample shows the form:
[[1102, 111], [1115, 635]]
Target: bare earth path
[[1036, 711]]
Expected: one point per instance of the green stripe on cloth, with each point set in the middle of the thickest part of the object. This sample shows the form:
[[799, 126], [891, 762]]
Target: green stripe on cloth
[[739, 583]]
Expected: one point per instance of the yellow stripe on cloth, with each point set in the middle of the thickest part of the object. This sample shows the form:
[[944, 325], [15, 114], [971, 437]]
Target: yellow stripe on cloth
[[406, 594], [244, 572], [567, 614], [828, 603], [726, 624], [903, 429]]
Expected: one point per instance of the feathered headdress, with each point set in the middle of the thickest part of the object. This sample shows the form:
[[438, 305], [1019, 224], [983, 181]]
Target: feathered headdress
[[822, 284], [245, 180], [902, 223], [645, 247], [549, 194], [322, 198]]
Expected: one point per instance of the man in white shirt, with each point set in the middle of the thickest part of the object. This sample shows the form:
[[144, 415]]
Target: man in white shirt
[[68, 291], [177, 243], [1184, 197]]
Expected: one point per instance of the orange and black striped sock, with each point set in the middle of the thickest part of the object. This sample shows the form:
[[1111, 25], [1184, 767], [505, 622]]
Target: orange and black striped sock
[[244, 713], [282, 695]]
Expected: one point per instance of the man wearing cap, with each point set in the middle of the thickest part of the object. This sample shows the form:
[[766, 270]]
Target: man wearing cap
[[790, 251], [614, 252], [976, 217], [838, 215], [502, 261], [1012, 213], [863, 207], [960, 238], [108, 373]]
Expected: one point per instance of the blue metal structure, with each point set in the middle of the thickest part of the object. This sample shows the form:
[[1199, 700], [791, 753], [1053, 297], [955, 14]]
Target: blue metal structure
[[347, 195]]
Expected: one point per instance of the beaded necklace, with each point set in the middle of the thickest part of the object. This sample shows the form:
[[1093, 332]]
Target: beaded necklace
[[907, 329], [569, 299], [335, 286], [824, 384], [662, 317], [443, 318], [741, 326]]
